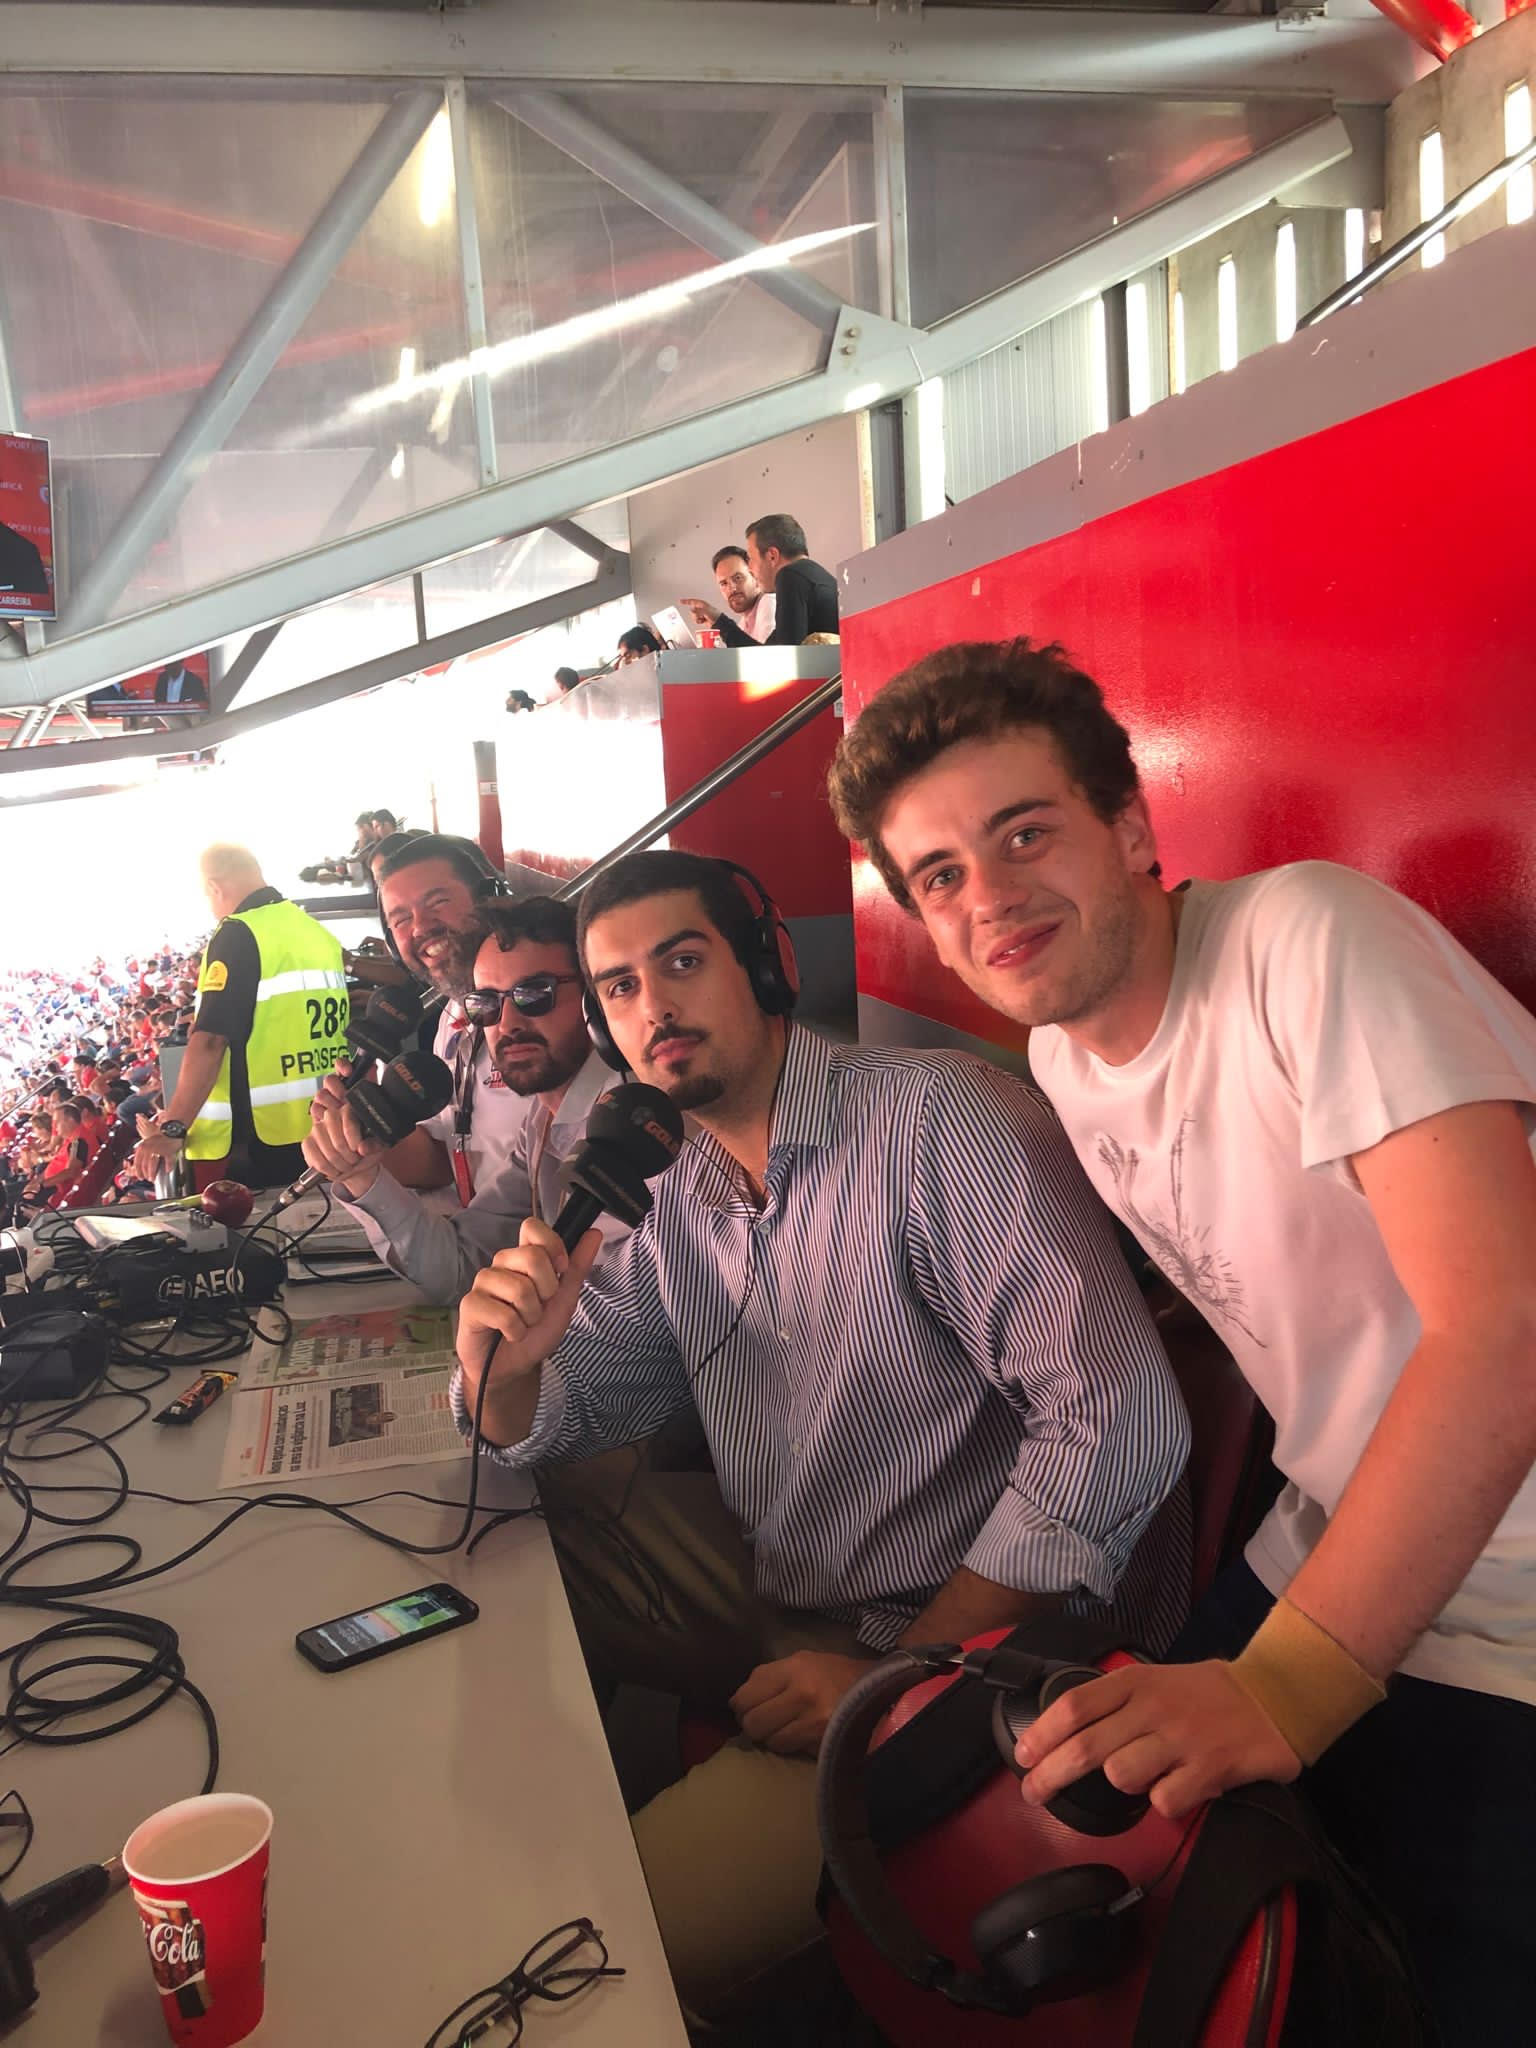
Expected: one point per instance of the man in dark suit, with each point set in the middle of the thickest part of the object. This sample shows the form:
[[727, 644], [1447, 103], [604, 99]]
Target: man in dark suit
[[805, 594], [21, 566], [178, 684]]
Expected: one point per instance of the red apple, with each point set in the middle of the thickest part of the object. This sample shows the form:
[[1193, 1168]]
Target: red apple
[[228, 1201]]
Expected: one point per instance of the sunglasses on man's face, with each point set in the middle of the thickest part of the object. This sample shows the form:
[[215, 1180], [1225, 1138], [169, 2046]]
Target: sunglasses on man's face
[[535, 997]]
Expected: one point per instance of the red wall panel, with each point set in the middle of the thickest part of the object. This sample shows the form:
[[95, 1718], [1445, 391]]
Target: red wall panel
[[1324, 652], [775, 820]]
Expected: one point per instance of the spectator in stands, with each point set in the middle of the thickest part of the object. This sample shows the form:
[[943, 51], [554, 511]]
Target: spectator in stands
[[384, 823], [566, 680], [527, 998], [271, 1018], [935, 1415], [1315, 1111], [433, 897], [750, 611], [71, 1151], [385, 849], [805, 594], [638, 642], [519, 700]]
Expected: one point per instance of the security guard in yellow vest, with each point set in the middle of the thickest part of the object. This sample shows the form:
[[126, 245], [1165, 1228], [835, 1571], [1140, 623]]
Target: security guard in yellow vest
[[271, 1023]]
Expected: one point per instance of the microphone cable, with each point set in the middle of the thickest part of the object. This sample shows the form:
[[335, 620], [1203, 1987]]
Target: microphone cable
[[129, 1665]]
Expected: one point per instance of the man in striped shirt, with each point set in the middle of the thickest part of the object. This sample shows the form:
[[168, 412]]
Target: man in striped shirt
[[934, 1400]]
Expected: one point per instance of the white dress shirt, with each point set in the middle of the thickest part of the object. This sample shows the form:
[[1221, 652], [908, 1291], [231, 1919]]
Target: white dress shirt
[[442, 1252]]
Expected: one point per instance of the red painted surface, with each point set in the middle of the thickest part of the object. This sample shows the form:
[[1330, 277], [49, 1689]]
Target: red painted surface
[[1322, 653], [775, 820], [1439, 26]]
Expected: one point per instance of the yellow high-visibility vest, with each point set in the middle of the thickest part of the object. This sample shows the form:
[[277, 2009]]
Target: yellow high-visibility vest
[[298, 1033]]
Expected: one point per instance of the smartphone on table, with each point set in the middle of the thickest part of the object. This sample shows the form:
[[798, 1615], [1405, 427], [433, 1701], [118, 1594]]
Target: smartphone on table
[[375, 1631]]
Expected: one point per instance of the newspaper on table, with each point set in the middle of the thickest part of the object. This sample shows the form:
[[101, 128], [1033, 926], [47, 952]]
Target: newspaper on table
[[343, 1392]]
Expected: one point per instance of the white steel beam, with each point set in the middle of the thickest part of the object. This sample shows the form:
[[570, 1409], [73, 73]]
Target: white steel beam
[[611, 581], [672, 203], [872, 360], [467, 214], [219, 408], [751, 43]]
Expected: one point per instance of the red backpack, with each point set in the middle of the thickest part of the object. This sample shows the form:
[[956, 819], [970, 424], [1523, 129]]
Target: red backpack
[[962, 1918]]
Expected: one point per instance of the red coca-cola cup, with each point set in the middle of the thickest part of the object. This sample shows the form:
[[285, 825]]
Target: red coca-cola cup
[[199, 1874]]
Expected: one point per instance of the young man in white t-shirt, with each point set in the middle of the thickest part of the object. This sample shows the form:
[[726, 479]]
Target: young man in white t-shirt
[[1314, 1109]]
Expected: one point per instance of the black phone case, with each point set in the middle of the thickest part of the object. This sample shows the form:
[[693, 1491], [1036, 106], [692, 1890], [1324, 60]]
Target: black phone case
[[468, 1612]]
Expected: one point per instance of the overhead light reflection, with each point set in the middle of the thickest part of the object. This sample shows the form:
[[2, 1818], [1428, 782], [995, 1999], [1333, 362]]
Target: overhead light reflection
[[434, 194], [568, 335]]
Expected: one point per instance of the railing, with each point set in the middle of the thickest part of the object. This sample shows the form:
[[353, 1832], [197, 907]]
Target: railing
[[1476, 193], [729, 771]]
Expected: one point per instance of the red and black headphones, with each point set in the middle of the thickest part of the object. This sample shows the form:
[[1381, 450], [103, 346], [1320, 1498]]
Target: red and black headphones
[[1053, 1936], [770, 963]]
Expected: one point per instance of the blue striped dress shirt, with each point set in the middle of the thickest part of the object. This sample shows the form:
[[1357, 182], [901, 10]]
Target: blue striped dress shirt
[[924, 1352]]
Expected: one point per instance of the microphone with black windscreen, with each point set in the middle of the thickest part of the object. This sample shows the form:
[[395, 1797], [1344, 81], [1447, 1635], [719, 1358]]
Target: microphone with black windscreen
[[389, 1018], [410, 1088], [633, 1133]]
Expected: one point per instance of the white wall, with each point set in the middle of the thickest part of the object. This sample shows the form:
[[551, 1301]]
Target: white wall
[[677, 526], [1464, 99]]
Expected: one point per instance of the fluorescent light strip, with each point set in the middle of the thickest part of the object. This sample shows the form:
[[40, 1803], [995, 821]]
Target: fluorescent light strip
[[1354, 241], [1285, 280], [1520, 192], [568, 335], [1098, 366], [1431, 194], [1138, 347], [1226, 313]]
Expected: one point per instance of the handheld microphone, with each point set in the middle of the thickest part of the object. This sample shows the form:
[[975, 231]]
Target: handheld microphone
[[410, 1089], [388, 1019], [32, 1918], [633, 1134]]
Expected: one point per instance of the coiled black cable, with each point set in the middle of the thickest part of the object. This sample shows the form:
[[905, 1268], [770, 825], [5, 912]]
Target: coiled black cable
[[47, 1700]]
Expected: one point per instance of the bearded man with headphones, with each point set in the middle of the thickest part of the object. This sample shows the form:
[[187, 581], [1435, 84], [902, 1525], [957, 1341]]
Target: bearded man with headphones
[[934, 1401], [527, 1001], [433, 894]]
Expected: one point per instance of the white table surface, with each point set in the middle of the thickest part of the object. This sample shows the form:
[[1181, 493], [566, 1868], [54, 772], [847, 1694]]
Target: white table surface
[[436, 1811]]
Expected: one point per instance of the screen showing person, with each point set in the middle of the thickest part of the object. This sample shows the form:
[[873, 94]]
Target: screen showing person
[[26, 528]]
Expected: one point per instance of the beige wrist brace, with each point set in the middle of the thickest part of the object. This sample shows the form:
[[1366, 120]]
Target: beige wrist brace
[[1309, 1685]]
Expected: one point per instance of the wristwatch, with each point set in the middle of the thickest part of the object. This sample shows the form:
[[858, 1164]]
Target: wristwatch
[[170, 1127]]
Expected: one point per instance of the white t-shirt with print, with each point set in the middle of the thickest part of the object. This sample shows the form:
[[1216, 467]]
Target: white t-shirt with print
[[1312, 1012]]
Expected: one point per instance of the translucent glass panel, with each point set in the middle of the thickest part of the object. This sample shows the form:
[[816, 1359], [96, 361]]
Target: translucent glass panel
[[497, 579], [1001, 185], [607, 318], [143, 225]]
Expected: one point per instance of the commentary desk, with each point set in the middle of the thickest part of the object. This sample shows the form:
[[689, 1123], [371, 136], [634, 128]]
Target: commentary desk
[[436, 1811]]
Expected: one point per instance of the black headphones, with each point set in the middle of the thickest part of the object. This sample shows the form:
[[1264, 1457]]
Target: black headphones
[[770, 963], [471, 862], [1055, 1935]]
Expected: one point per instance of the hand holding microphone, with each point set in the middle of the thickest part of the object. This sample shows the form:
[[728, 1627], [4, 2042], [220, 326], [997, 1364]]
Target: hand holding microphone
[[522, 1303], [337, 1148], [411, 1088]]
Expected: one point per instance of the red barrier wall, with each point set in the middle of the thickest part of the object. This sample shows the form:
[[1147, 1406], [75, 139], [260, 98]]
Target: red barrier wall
[[1322, 652], [775, 819]]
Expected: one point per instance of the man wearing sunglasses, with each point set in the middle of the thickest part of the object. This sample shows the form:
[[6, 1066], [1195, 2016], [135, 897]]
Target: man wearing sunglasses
[[526, 998], [433, 893]]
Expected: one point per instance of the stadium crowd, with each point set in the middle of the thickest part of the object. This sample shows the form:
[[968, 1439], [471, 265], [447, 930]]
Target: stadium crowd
[[78, 1064]]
